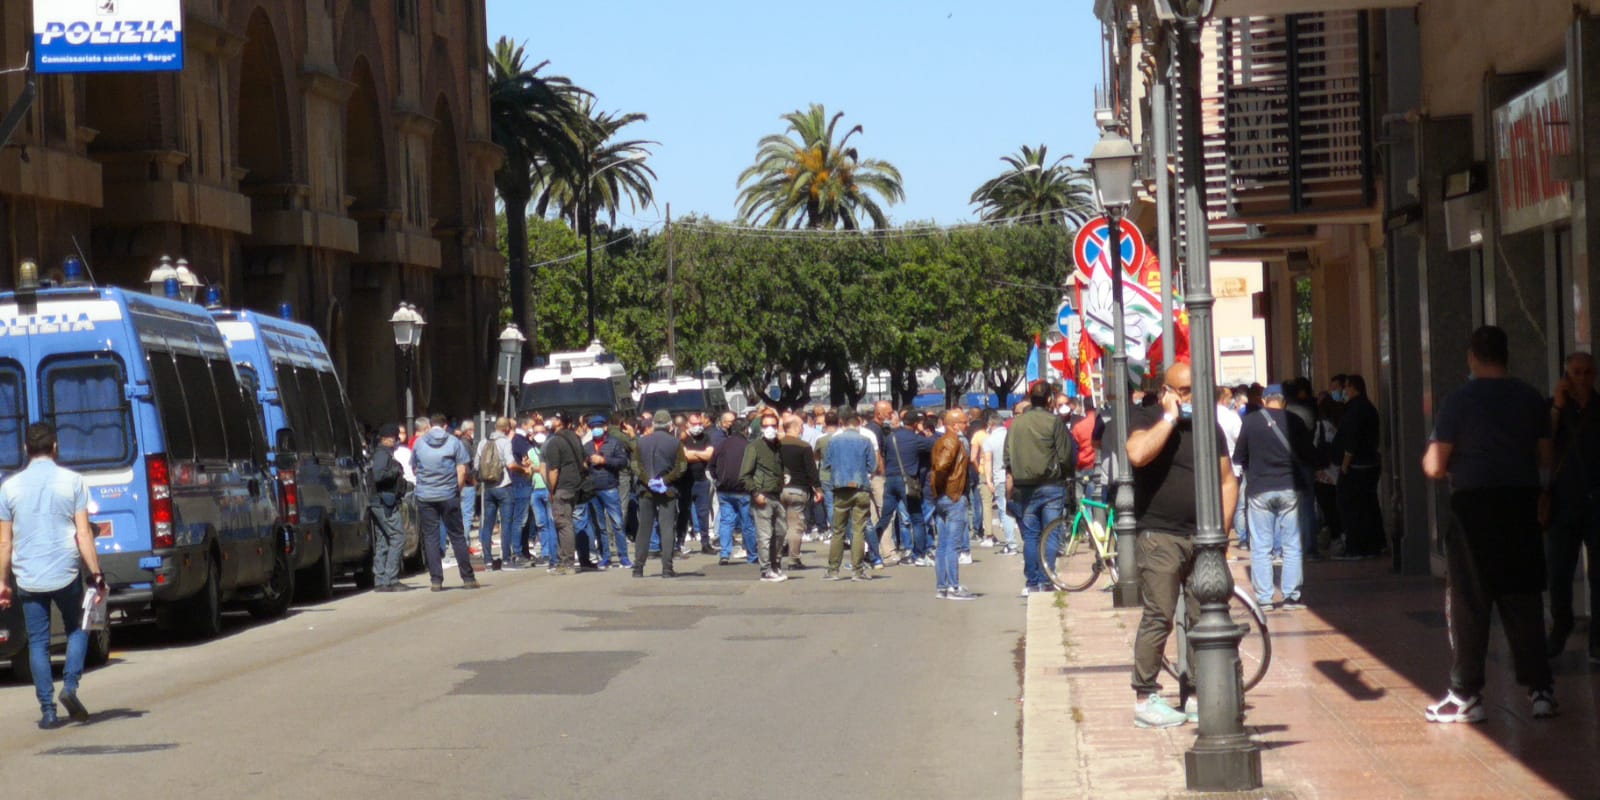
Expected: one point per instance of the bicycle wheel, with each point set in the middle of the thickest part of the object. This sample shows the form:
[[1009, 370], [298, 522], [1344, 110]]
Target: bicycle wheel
[[1076, 565], [1108, 556], [1255, 647]]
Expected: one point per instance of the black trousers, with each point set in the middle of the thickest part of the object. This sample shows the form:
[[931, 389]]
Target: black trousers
[[1576, 529], [1359, 511], [653, 508], [1494, 562], [429, 515]]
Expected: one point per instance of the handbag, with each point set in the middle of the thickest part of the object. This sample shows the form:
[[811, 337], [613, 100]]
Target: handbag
[[913, 487]]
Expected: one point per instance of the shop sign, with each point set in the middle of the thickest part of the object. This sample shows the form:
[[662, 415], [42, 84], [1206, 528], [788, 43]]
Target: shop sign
[[1531, 134]]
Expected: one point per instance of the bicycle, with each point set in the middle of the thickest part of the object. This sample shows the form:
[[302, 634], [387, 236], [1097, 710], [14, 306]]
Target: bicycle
[[1255, 648], [1086, 552]]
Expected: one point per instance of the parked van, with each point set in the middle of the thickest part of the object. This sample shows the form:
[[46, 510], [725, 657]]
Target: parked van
[[148, 408], [581, 382], [669, 391], [315, 445]]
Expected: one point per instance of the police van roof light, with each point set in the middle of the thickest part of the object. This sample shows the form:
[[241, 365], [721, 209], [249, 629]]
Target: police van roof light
[[213, 297], [27, 275], [286, 311], [170, 288], [72, 270]]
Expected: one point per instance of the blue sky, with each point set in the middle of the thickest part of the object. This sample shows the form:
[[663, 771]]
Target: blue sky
[[942, 88]]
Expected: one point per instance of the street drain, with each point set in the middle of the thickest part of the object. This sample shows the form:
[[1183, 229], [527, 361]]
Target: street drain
[[564, 673], [109, 749]]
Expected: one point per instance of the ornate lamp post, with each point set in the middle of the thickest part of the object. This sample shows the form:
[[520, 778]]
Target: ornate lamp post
[[408, 325], [1112, 163], [1223, 757], [188, 282]]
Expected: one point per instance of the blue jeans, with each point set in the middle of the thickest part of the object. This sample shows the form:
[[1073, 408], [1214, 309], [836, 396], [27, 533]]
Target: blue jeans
[[605, 519], [1241, 516], [1041, 506], [521, 498], [496, 503], [894, 500], [952, 516], [1002, 509], [1275, 524], [733, 510], [974, 516], [469, 510], [36, 613], [549, 545]]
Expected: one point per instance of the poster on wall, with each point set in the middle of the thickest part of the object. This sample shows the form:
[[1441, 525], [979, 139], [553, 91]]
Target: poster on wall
[[107, 35], [1531, 133]]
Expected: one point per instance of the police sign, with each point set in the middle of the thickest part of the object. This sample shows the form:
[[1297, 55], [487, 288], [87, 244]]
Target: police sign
[[107, 35]]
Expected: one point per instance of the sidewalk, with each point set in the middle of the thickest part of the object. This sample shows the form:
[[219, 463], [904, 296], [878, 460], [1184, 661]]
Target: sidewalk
[[1340, 713]]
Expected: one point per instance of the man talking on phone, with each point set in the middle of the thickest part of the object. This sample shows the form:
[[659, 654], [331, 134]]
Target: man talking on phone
[[44, 534]]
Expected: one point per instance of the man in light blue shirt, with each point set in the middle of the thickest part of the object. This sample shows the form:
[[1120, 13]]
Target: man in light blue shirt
[[851, 461], [441, 464], [44, 532]]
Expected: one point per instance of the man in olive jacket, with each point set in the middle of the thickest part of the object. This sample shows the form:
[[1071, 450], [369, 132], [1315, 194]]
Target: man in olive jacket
[[1040, 456], [762, 473]]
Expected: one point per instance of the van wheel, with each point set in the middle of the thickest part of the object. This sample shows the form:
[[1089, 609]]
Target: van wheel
[[203, 611], [99, 648], [278, 592], [315, 583]]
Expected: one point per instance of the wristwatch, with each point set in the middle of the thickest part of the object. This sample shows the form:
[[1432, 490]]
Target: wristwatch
[[1169, 418]]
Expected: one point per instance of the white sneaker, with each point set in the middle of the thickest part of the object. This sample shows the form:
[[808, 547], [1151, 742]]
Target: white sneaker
[[1155, 713], [1456, 709], [1191, 709], [1544, 703], [448, 562], [966, 558], [988, 541]]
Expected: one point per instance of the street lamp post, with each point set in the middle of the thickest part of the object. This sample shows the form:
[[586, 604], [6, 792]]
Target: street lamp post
[[408, 325], [1223, 757], [1112, 162], [511, 340]]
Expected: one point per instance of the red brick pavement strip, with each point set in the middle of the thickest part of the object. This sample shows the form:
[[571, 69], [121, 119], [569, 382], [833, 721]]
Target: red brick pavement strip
[[1340, 713]]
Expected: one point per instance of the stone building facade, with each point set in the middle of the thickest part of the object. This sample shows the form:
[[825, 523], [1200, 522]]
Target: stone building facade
[[332, 154]]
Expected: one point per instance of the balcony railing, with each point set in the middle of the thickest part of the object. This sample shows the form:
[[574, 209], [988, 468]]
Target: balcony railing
[[1286, 131]]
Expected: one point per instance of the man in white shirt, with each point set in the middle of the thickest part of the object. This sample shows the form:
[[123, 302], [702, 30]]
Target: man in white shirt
[[1231, 423]]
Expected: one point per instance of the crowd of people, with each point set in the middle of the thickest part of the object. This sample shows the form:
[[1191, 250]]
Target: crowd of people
[[574, 494]]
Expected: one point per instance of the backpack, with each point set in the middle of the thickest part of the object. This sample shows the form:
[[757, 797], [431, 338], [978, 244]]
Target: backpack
[[491, 467]]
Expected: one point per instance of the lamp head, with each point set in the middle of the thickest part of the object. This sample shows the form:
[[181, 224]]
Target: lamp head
[[1112, 164]]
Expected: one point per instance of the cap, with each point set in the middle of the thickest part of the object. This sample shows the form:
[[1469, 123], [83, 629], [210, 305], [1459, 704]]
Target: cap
[[663, 418], [389, 430], [566, 419], [1275, 390], [597, 421]]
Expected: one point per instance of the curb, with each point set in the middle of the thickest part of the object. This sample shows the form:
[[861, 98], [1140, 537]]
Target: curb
[[1051, 765]]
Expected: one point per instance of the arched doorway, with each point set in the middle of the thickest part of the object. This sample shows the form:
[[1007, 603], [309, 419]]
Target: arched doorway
[[269, 274], [457, 346], [366, 186]]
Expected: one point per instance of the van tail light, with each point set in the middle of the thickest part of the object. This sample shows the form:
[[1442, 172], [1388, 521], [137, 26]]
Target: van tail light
[[288, 497], [155, 467]]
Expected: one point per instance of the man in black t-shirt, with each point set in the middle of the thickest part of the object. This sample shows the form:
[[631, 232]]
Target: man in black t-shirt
[[563, 472], [1492, 439], [1161, 452]]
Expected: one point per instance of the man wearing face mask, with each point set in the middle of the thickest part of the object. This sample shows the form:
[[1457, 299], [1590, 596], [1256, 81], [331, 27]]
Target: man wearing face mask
[[762, 474], [1161, 452], [607, 458], [696, 498]]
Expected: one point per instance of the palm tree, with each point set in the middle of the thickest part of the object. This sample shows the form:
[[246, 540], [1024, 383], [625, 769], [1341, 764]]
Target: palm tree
[[1040, 191], [808, 180], [608, 170], [534, 119]]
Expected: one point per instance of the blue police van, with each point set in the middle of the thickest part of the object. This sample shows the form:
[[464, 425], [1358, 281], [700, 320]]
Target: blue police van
[[316, 445], [148, 407]]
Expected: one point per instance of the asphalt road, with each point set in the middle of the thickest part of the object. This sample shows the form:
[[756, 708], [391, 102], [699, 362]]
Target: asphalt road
[[713, 685]]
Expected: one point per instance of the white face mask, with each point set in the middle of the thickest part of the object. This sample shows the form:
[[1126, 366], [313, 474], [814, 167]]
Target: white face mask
[[696, 430], [1064, 411], [540, 437], [770, 434], [939, 430]]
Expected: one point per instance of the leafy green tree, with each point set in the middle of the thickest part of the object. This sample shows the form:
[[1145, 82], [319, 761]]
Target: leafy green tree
[[803, 178], [1041, 191], [533, 118]]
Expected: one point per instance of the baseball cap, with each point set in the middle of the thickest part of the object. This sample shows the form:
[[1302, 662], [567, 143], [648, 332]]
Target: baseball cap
[[1275, 390], [389, 430], [663, 418], [597, 421]]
